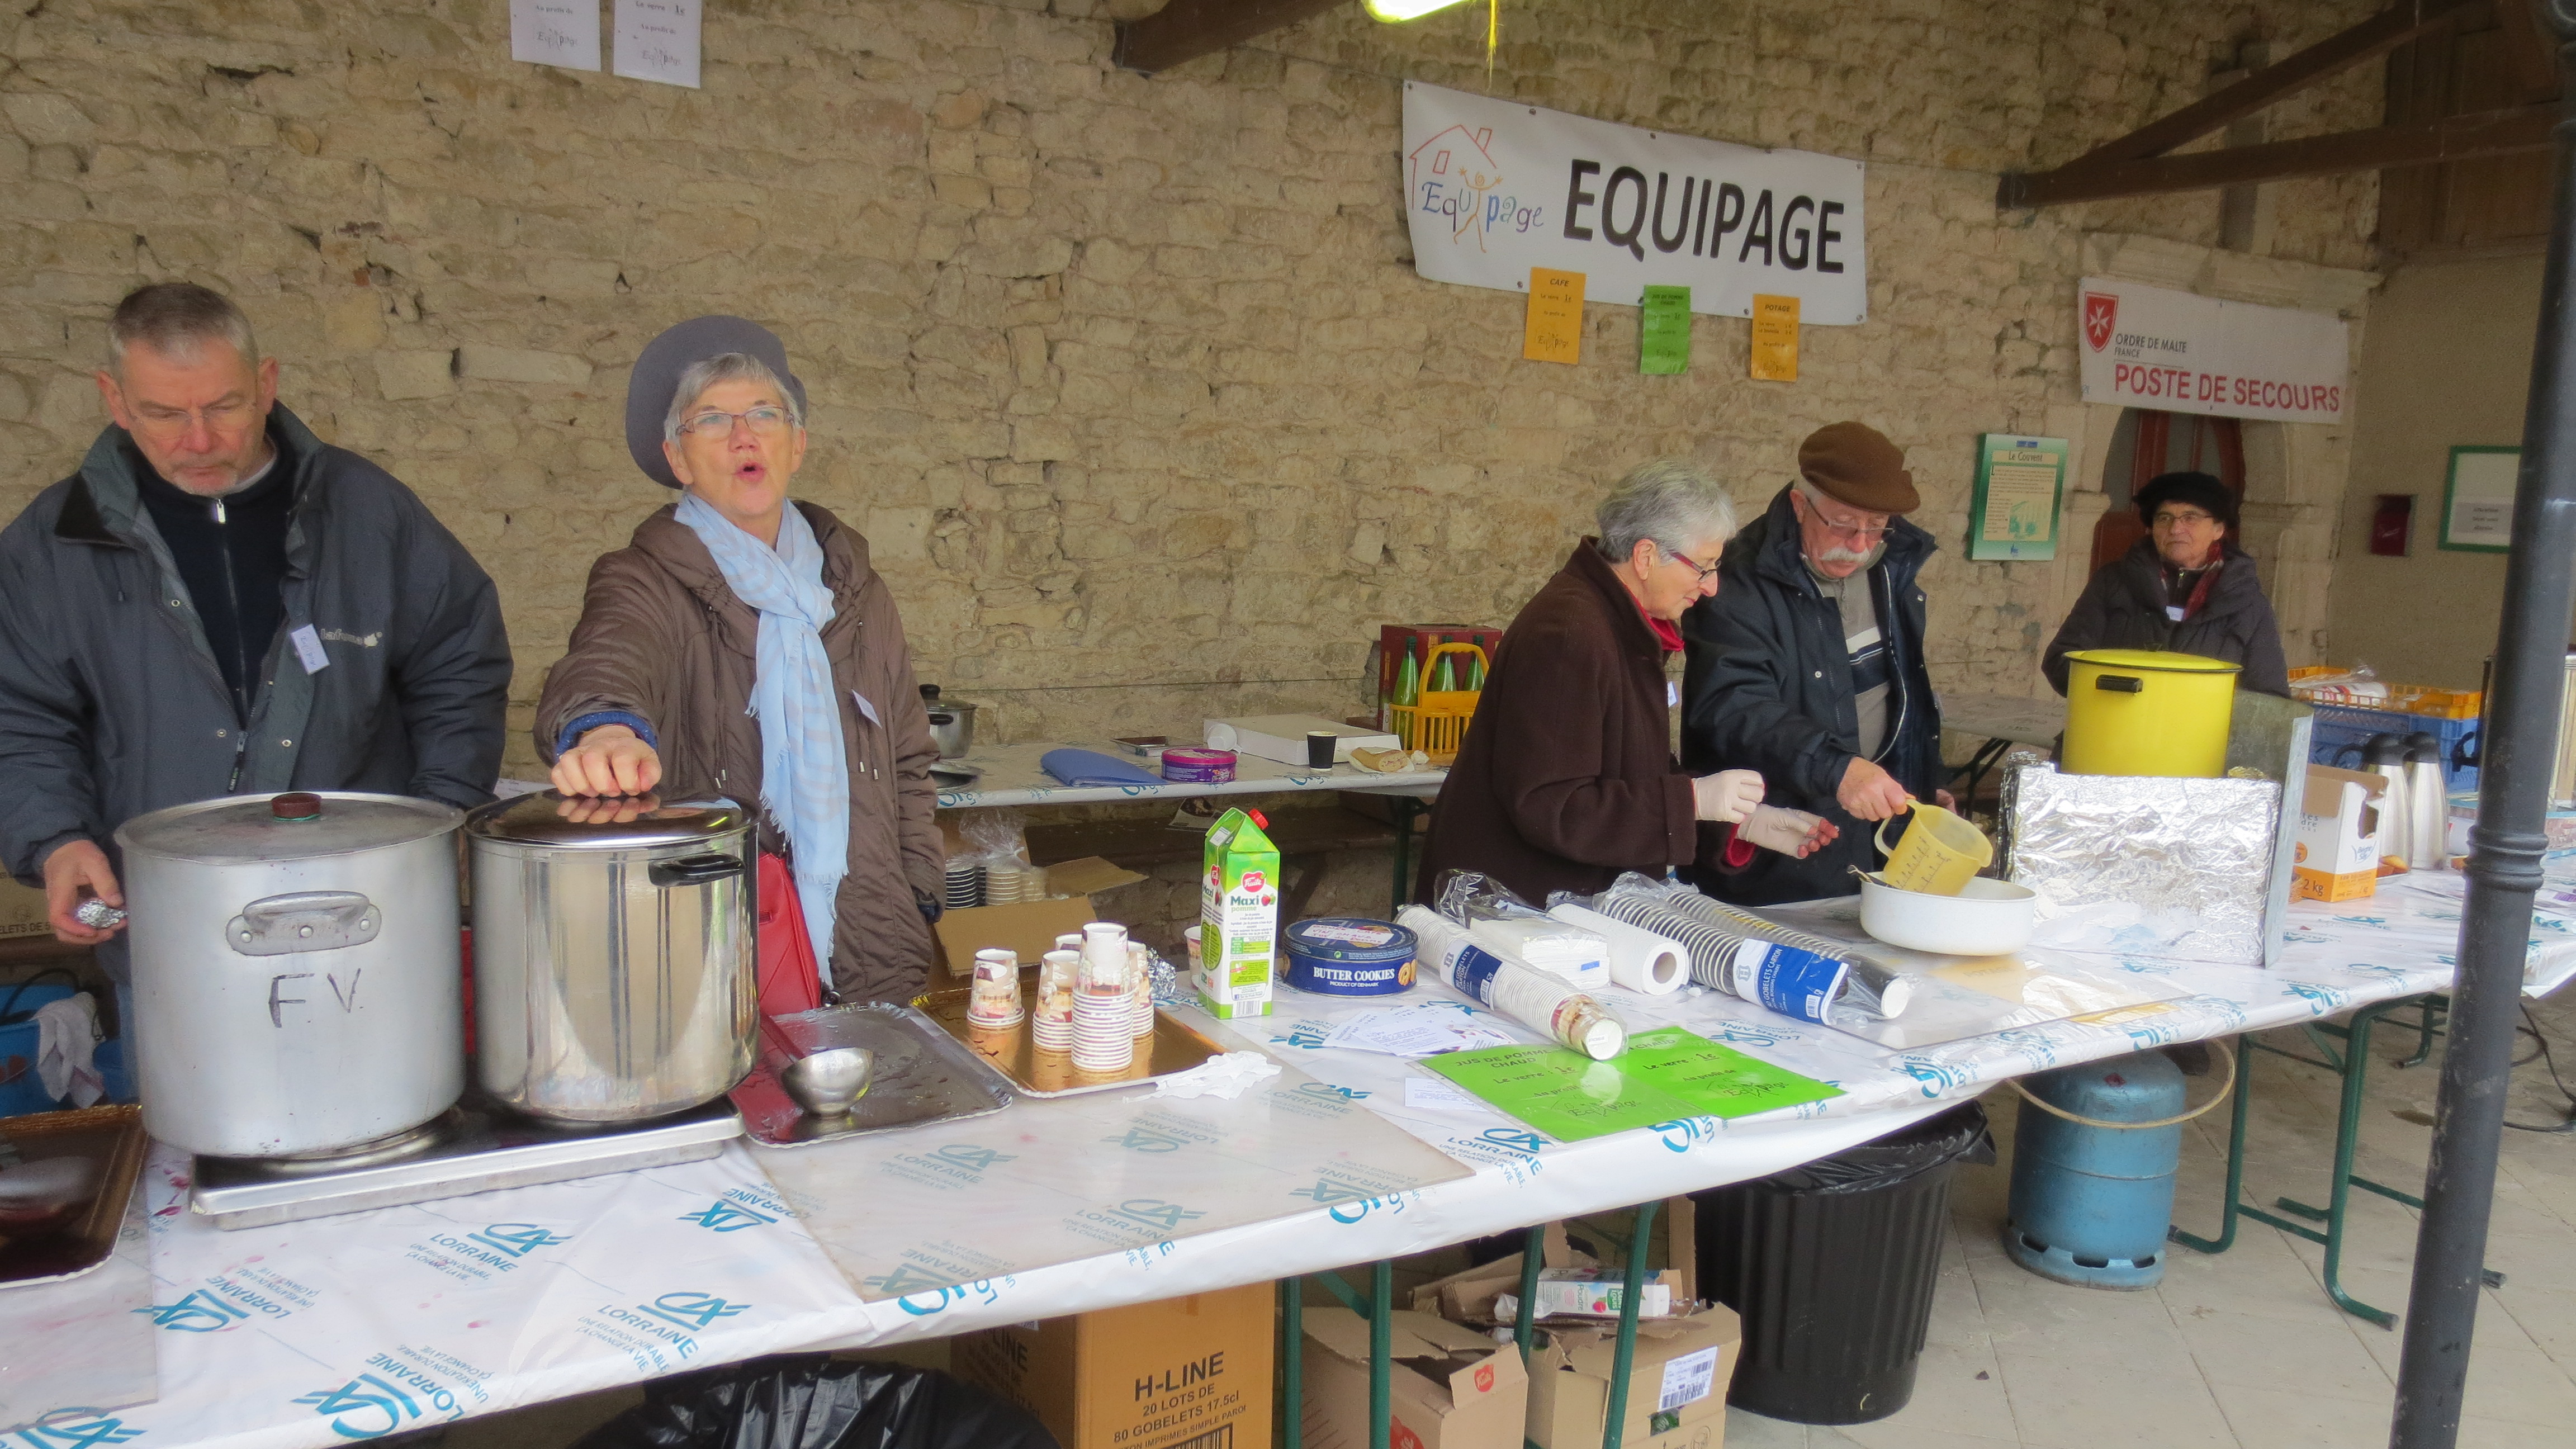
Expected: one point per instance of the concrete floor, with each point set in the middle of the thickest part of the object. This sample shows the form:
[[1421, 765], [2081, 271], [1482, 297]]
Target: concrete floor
[[2237, 1350]]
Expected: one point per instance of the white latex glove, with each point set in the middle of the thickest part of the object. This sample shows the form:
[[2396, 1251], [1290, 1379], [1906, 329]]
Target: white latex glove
[[1728, 795], [1790, 832]]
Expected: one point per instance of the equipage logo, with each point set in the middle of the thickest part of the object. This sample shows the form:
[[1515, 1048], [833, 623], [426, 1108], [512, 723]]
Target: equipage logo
[[2101, 318]]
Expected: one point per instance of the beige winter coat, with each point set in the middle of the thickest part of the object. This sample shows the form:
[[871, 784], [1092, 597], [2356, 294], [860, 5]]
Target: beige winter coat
[[662, 636]]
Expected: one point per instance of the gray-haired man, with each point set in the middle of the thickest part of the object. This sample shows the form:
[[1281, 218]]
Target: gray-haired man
[[220, 603]]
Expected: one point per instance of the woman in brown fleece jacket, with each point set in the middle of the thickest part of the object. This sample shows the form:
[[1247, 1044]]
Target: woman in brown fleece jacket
[[1567, 776]]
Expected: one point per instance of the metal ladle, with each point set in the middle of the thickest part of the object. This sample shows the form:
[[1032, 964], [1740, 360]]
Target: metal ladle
[[830, 1082]]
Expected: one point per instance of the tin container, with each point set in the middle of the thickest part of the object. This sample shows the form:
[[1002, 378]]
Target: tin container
[[1350, 956], [614, 954], [1198, 767], [297, 969]]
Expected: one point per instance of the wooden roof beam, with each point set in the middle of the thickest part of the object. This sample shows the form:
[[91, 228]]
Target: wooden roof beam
[[1184, 30], [2366, 41], [2421, 143]]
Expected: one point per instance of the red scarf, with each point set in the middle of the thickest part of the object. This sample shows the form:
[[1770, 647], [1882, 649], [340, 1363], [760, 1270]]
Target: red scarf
[[1667, 633]]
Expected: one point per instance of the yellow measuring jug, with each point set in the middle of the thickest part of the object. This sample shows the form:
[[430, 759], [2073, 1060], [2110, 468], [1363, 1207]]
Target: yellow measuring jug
[[1938, 854]]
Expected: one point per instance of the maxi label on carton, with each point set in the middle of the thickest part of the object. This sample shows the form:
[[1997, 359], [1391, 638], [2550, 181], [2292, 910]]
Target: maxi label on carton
[[1238, 918]]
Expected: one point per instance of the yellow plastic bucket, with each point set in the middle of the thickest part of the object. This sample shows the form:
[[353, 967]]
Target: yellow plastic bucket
[[2147, 712], [1938, 854]]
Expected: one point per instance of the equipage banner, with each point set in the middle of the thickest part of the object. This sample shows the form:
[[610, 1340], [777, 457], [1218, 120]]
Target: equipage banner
[[2181, 352], [1493, 189]]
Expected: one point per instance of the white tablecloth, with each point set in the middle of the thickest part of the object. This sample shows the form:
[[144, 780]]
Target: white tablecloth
[[316, 1333], [1012, 776]]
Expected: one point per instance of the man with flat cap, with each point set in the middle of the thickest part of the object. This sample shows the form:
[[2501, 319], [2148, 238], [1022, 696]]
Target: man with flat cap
[[1807, 665]]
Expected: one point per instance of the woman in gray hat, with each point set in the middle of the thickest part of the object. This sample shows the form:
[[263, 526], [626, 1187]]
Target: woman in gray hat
[[740, 645]]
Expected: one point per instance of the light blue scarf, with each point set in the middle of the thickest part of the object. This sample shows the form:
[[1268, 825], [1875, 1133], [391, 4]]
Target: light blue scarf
[[804, 776]]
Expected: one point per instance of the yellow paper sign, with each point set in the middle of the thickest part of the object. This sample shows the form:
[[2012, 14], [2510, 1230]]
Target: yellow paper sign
[[1775, 338], [1554, 332]]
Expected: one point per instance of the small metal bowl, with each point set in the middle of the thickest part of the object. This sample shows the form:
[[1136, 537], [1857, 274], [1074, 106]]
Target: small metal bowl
[[829, 1082]]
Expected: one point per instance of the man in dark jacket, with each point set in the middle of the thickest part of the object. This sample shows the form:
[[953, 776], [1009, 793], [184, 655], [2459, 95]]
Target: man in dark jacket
[[1566, 777], [219, 603], [2186, 587], [1808, 665]]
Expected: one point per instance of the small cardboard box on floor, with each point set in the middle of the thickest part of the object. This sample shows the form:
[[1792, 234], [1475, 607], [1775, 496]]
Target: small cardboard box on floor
[[1028, 928], [1187, 1371], [2337, 856], [1450, 1386]]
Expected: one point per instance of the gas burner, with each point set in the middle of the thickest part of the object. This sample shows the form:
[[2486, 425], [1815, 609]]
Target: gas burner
[[475, 1146]]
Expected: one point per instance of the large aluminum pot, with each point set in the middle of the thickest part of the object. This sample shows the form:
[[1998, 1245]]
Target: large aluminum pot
[[296, 970], [616, 975]]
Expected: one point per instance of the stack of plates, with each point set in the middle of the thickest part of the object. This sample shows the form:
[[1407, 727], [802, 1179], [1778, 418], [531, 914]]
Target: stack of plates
[[965, 885], [1009, 881]]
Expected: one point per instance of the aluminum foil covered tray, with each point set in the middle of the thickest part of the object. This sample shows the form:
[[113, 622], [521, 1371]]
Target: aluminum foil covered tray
[[922, 1075], [2194, 858]]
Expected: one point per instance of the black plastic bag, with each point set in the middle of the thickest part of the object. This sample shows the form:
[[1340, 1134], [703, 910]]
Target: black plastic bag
[[814, 1401], [1958, 1135]]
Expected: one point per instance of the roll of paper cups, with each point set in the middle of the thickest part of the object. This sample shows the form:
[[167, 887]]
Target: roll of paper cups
[[1522, 992], [1640, 959]]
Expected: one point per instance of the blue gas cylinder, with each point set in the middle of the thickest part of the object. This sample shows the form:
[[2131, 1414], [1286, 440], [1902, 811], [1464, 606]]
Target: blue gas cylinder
[[2090, 1204]]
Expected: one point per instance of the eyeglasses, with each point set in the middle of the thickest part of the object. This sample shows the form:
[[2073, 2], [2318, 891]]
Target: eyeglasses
[[1860, 533], [1705, 571], [168, 422], [2164, 519], [762, 420]]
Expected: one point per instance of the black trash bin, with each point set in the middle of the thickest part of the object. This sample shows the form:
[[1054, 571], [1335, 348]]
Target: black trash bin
[[1831, 1266], [814, 1401]]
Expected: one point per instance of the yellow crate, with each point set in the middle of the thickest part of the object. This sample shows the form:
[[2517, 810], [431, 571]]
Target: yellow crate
[[1436, 723]]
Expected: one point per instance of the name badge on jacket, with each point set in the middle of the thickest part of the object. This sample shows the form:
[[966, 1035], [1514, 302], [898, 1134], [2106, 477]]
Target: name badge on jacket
[[308, 648]]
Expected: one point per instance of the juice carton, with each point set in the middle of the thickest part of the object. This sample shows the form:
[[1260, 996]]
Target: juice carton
[[1238, 917]]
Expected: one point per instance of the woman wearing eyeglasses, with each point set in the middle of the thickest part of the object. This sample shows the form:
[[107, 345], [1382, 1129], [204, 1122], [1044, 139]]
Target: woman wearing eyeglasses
[[2186, 586], [740, 645]]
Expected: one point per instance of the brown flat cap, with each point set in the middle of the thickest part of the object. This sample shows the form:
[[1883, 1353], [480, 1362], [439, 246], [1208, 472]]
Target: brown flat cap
[[1854, 463]]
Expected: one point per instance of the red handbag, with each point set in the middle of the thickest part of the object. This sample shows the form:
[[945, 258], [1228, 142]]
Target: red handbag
[[790, 979]]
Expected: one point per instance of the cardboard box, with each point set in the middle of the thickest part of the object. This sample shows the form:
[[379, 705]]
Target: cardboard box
[[22, 911], [1281, 738], [1028, 927], [1452, 1387], [1676, 1384], [1468, 1296], [2337, 855], [1190, 1371]]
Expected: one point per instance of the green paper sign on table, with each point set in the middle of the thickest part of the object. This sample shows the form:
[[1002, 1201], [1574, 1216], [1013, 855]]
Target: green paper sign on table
[[1666, 1074]]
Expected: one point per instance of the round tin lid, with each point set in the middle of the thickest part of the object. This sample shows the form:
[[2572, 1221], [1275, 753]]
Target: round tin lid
[[546, 817], [299, 825], [1354, 940]]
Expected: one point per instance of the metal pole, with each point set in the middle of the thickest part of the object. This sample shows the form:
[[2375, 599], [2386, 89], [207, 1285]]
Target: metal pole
[[2516, 766]]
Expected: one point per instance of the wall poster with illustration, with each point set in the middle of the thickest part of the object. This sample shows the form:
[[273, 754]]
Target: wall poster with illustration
[[2021, 485]]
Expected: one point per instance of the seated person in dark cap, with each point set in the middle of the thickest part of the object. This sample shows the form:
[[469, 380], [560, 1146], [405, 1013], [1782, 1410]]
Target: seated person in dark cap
[[2186, 586], [740, 645], [1807, 665]]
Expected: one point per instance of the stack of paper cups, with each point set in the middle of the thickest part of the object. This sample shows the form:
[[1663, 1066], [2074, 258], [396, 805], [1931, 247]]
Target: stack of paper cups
[[1140, 988], [1104, 1012], [1053, 1024], [995, 999]]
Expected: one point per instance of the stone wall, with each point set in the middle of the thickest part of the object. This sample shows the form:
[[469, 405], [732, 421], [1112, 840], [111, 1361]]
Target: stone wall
[[1129, 379]]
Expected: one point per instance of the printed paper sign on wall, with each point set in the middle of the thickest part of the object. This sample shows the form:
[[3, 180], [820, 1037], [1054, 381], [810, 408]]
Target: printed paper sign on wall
[[2150, 347], [1493, 189]]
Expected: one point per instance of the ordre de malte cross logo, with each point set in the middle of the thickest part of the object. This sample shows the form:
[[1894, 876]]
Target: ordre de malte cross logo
[[2101, 316]]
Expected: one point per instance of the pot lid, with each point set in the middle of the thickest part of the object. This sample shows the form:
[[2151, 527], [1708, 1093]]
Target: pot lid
[[300, 825], [2164, 660], [539, 819]]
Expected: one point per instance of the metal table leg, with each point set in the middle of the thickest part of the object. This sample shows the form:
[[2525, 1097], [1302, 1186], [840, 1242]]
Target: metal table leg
[[1404, 808], [2351, 1064], [1379, 1309], [1615, 1429]]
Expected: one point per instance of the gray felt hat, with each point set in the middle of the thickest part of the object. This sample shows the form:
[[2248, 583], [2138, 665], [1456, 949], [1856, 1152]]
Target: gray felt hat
[[657, 375]]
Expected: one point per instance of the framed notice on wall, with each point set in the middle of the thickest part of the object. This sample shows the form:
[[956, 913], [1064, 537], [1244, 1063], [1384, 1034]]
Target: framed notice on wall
[[2477, 499], [2020, 484]]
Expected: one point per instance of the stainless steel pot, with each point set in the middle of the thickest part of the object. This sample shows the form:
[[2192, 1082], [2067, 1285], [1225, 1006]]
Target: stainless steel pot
[[615, 961], [952, 723], [296, 970]]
